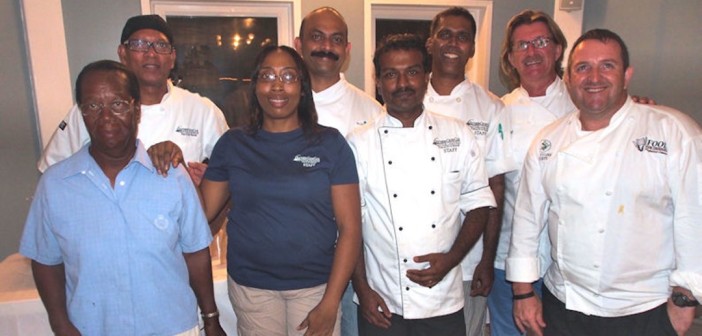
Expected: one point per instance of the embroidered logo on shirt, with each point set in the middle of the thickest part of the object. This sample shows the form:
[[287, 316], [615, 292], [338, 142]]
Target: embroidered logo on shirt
[[478, 127], [161, 222], [649, 145], [448, 145], [544, 149], [63, 125], [307, 161], [187, 131]]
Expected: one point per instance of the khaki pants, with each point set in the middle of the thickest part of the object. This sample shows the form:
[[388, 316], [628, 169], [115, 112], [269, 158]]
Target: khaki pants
[[261, 312], [474, 311]]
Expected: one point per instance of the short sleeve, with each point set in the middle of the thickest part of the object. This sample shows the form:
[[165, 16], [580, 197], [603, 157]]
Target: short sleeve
[[38, 241], [344, 168]]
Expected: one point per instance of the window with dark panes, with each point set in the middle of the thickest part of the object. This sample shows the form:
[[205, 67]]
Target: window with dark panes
[[215, 57]]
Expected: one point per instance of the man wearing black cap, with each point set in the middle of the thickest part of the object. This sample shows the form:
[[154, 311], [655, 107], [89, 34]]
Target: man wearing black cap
[[169, 113]]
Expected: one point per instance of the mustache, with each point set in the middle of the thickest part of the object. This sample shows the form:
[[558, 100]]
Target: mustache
[[535, 58], [403, 90], [327, 54]]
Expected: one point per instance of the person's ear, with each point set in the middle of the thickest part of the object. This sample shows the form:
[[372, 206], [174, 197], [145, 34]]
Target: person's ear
[[628, 73], [298, 45]]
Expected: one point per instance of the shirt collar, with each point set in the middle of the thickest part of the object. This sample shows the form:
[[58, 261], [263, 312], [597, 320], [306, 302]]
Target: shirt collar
[[85, 162], [463, 86]]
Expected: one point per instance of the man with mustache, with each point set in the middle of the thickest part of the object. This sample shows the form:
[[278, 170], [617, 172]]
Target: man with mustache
[[169, 113], [617, 186], [324, 46], [452, 44], [418, 172]]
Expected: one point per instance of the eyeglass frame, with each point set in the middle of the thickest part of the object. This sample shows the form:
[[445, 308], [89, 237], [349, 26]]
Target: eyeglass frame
[[101, 107], [276, 77], [149, 45], [538, 43]]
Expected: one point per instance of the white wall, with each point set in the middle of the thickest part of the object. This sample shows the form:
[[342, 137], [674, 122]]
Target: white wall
[[664, 47]]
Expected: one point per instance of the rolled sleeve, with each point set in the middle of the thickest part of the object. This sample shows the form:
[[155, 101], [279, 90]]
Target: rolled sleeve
[[522, 263]]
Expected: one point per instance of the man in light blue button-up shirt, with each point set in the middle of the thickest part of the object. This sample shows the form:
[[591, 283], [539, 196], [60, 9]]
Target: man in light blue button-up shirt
[[116, 248]]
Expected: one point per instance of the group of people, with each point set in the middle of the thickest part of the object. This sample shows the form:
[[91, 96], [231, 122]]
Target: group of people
[[564, 208]]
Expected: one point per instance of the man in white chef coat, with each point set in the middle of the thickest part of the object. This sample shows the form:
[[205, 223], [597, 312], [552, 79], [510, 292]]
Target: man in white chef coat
[[168, 113], [418, 172], [618, 186], [530, 61], [450, 92]]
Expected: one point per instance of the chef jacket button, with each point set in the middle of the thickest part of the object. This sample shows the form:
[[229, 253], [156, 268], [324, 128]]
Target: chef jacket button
[[596, 266], [385, 131], [394, 195], [404, 260], [390, 162], [407, 288], [400, 228], [433, 158], [600, 230], [433, 226], [431, 127], [433, 192], [608, 193], [458, 100]]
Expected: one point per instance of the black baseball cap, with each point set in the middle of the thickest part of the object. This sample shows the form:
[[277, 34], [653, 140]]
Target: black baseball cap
[[140, 22]]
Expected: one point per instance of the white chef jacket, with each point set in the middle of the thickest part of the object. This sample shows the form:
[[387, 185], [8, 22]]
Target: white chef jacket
[[528, 115], [482, 112], [191, 121], [623, 210], [415, 182], [345, 107]]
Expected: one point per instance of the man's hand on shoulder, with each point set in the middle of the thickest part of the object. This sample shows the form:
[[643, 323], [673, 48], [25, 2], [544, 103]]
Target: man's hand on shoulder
[[643, 100], [164, 154]]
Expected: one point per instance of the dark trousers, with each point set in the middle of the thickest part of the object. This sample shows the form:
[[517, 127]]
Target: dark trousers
[[563, 322], [447, 325]]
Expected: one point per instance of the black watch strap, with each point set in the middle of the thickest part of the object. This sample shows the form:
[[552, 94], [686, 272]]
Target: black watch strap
[[682, 300]]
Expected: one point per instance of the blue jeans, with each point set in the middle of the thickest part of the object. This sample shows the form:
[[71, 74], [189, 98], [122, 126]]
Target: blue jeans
[[500, 305], [349, 313]]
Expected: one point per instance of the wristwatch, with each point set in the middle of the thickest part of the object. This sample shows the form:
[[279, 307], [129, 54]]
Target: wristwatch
[[681, 300]]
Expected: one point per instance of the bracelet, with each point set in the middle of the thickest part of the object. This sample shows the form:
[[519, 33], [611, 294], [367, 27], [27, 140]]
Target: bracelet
[[210, 315], [523, 296]]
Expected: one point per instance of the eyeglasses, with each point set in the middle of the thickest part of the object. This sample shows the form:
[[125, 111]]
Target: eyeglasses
[[117, 107], [538, 43], [160, 47], [286, 77]]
